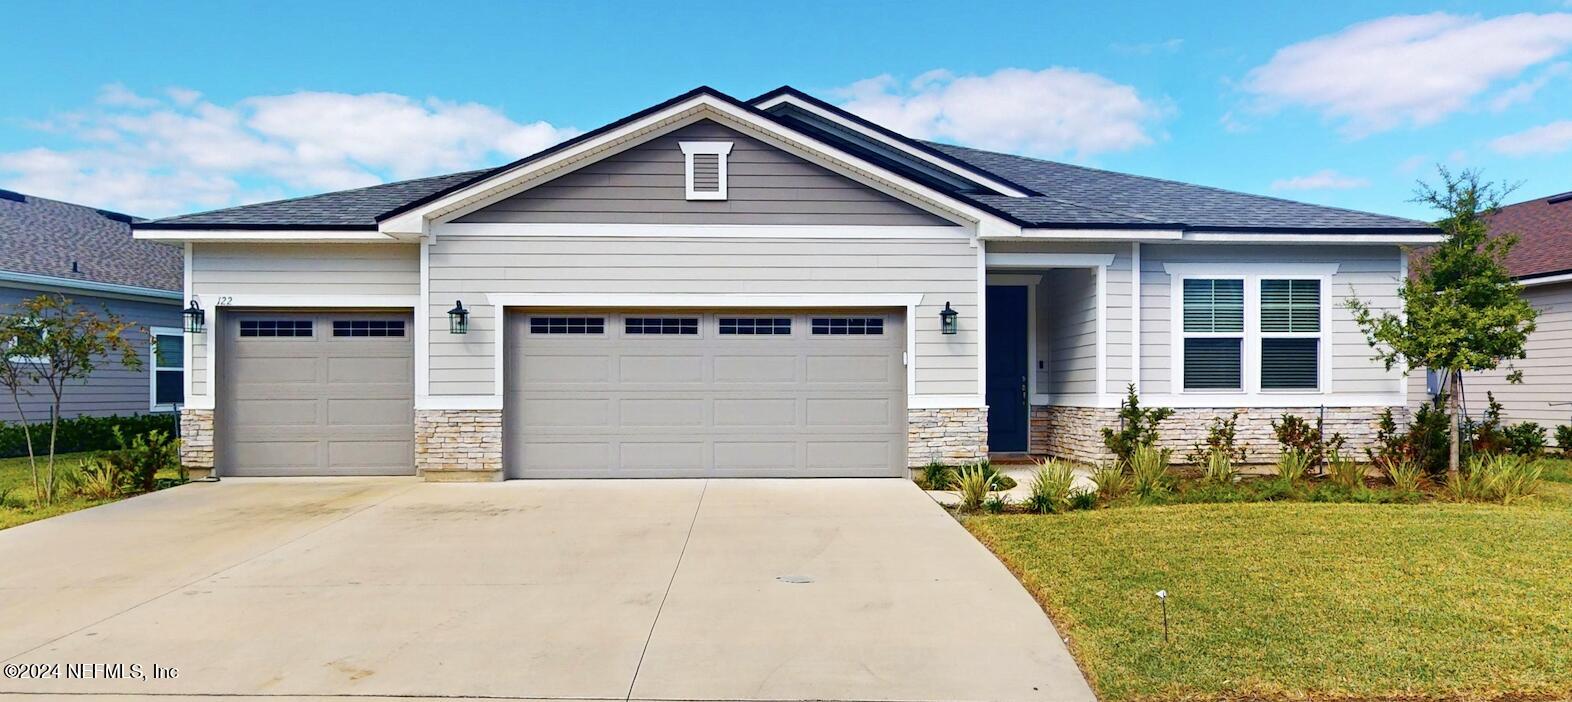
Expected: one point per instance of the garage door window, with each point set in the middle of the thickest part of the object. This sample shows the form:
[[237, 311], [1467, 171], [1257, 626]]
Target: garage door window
[[686, 326], [848, 326], [368, 327], [755, 326], [567, 325], [275, 327]]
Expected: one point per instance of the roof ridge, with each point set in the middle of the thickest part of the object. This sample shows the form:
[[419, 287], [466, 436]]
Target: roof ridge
[[1212, 188], [98, 210], [317, 195]]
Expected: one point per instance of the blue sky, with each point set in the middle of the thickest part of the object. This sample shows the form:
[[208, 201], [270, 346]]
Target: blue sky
[[160, 108]]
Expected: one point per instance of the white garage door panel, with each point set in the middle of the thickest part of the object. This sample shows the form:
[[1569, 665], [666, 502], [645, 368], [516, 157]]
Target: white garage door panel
[[325, 403], [620, 404]]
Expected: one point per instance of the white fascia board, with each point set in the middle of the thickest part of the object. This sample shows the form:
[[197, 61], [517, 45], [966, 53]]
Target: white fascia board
[[701, 300], [258, 236], [1178, 236], [316, 301], [903, 148], [1546, 280], [416, 222], [1224, 403], [1049, 260], [1241, 268], [699, 231], [1121, 235], [89, 286]]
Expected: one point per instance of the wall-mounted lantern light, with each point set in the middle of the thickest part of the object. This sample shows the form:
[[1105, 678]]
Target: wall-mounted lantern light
[[194, 316], [458, 318], [949, 319]]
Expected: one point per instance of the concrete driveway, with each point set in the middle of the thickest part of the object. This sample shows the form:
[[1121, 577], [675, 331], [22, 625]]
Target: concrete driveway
[[660, 590]]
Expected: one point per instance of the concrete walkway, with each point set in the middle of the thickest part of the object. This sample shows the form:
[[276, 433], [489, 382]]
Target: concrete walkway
[[679, 589]]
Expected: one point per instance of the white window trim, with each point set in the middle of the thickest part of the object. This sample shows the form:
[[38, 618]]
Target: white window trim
[[153, 368], [1250, 352], [36, 360], [720, 149]]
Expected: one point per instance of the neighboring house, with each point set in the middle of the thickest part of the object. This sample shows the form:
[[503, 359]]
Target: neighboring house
[[765, 288], [1542, 263], [89, 256]]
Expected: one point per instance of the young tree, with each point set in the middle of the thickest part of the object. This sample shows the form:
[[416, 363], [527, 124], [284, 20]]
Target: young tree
[[49, 345], [1461, 310]]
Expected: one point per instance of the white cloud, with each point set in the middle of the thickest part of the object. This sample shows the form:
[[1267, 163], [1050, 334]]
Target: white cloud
[[1320, 180], [155, 157], [1051, 112], [1525, 90], [1169, 46], [1413, 69], [1543, 140]]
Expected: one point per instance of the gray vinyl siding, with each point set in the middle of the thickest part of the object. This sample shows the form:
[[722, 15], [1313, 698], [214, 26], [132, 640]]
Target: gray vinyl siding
[[1547, 370], [329, 270], [468, 267], [1369, 272], [1067, 301], [112, 388], [645, 185]]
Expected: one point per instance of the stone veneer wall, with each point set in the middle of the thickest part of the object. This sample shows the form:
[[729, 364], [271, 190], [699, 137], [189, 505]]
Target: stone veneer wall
[[1074, 432], [458, 445], [196, 441], [950, 436]]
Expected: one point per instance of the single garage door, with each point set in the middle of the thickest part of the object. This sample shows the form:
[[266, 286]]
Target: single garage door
[[316, 393], [651, 394]]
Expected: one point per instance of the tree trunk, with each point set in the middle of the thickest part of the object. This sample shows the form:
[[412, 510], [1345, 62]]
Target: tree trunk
[[1454, 406], [27, 433]]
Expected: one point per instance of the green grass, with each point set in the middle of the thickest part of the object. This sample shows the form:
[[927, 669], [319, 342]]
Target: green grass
[[1303, 600], [19, 506]]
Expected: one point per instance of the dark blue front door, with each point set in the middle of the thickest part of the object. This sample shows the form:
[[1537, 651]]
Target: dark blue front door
[[1007, 368]]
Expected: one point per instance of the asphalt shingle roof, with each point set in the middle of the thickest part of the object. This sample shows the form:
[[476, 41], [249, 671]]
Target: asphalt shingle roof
[[45, 237], [1102, 197], [1544, 235], [356, 208]]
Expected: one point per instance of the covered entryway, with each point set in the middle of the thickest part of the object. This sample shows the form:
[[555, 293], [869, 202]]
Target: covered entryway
[[662, 393], [316, 393]]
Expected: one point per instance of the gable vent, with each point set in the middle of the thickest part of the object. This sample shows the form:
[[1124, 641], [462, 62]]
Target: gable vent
[[705, 167]]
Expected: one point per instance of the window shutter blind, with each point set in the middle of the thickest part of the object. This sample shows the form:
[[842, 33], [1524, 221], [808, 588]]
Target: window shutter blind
[[1213, 305], [1289, 364], [1290, 306], [1212, 364]]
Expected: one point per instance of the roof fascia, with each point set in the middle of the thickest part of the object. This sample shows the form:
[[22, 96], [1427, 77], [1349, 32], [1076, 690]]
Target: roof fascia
[[508, 180], [269, 234], [1181, 235], [885, 136], [117, 289], [1545, 279]]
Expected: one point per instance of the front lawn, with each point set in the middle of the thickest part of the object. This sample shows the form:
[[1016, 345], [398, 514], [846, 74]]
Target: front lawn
[[16, 489], [1294, 600]]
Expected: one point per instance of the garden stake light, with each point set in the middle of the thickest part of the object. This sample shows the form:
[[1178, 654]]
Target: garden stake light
[[1162, 597]]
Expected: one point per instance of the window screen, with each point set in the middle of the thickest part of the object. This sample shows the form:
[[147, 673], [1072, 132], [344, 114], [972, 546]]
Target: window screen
[[275, 327], [751, 326]]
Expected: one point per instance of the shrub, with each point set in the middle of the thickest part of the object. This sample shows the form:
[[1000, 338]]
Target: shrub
[[1220, 468], [1564, 440], [1498, 477], [1110, 479], [973, 483], [1403, 475], [937, 476], [84, 433], [1050, 487], [103, 478], [1292, 466], [1221, 435], [1294, 433], [1149, 475], [1137, 425], [1526, 439], [1346, 472], [1083, 499], [1426, 443], [1487, 434], [145, 455], [996, 503]]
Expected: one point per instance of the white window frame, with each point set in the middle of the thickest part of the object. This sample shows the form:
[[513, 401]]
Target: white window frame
[[153, 368], [1250, 372], [720, 149], [1243, 335], [36, 360]]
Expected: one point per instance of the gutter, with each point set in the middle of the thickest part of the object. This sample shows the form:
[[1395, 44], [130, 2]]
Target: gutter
[[90, 286]]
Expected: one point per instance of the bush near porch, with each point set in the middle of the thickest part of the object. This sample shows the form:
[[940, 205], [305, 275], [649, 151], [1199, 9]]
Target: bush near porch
[[1299, 600]]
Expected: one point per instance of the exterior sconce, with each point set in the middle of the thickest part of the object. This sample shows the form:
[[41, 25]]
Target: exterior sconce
[[458, 318], [949, 319], [194, 317]]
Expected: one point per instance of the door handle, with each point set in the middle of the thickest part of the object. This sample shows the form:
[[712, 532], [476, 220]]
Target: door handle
[[1023, 387]]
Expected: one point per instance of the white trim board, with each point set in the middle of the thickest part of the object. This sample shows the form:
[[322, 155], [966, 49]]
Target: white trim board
[[1176, 236], [315, 301], [699, 231], [1049, 260], [1531, 282], [30, 279], [1224, 403], [152, 367], [251, 236]]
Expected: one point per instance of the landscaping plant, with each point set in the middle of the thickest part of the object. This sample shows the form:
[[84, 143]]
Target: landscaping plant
[[1137, 426], [1051, 486], [1111, 480], [1462, 311], [973, 483], [937, 476], [1564, 440], [1149, 476], [1294, 433], [1220, 468], [1292, 466], [1345, 471], [54, 345], [77, 434], [1486, 435], [1502, 477], [1404, 475], [1221, 435], [1526, 439]]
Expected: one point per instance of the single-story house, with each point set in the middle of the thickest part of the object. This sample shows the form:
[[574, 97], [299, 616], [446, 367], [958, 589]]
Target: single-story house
[[89, 256], [770, 287], [1542, 263]]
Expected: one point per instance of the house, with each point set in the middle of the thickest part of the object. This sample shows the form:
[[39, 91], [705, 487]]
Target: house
[[1542, 263], [89, 256], [771, 287]]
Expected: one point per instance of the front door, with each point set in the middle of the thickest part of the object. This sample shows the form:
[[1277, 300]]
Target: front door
[[1007, 368]]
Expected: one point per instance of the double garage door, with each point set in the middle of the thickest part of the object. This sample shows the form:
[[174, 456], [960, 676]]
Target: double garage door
[[660, 393], [316, 393]]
